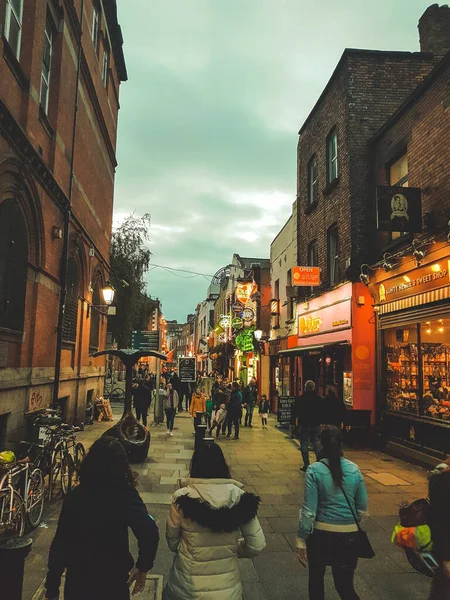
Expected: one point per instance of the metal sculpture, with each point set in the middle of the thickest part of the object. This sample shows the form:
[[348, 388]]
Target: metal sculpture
[[134, 437]]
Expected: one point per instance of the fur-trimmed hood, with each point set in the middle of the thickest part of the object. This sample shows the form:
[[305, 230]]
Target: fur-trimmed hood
[[217, 504]]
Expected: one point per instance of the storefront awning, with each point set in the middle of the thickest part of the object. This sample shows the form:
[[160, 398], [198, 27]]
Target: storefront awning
[[298, 351]]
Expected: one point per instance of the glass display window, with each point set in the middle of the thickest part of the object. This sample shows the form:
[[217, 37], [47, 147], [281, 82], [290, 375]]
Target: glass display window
[[435, 350], [402, 369]]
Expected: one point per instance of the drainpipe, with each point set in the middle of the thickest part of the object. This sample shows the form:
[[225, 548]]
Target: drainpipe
[[67, 215]]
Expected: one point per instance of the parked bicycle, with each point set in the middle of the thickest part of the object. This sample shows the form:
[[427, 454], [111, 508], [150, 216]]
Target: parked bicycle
[[21, 498], [112, 393]]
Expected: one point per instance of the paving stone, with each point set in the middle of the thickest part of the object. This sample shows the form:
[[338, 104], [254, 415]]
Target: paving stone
[[276, 542], [254, 591], [283, 524], [151, 498], [274, 567], [247, 570]]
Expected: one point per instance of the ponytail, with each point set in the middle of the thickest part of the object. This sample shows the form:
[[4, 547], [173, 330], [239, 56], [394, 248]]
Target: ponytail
[[331, 442]]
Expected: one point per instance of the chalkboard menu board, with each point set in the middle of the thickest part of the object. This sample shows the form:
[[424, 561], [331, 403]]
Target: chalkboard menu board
[[285, 407], [187, 370]]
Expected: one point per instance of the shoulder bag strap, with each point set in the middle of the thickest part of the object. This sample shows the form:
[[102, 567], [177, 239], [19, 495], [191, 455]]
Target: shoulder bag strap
[[346, 497]]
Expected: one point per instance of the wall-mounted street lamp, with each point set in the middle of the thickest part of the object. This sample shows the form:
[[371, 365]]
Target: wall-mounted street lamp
[[258, 334], [108, 291]]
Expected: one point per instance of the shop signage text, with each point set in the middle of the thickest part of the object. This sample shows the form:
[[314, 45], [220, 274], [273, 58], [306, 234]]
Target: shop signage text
[[424, 278], [225, 321], [306, 276], [248, 314], [325, 320], [245, 291], [187, 369], [285, 406]]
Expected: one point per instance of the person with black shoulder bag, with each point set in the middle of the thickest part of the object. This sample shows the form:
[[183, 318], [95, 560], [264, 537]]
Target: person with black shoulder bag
[[329, 532]]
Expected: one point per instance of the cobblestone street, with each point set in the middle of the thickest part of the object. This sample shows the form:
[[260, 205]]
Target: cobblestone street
[[267, 462]]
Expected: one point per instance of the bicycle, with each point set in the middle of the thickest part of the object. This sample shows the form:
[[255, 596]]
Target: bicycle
[[112, 393], [20, 507]]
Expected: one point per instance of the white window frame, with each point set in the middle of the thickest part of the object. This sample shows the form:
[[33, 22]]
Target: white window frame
[[95, 26], [312, 180], [332, 157], [10, 14], [45, 80], [333, 257], [105, 65]]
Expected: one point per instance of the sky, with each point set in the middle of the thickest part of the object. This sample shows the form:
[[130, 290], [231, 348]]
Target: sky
[[209, 120]]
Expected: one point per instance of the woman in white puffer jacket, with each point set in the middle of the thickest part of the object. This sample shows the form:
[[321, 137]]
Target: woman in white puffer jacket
[[212, 523]]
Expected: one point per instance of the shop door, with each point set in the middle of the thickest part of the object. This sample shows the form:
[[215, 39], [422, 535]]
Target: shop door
[[312, 368]]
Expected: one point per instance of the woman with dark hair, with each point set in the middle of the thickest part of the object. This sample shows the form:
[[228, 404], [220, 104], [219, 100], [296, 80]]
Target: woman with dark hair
[[212, 523], [91, 541], [327, 532]]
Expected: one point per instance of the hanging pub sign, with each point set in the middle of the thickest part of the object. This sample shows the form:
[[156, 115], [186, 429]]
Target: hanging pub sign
[[187, 369], [399, 209], [306, 276], [237, 307], [225, 321], [245, 291], [248, 314], [237, 323]]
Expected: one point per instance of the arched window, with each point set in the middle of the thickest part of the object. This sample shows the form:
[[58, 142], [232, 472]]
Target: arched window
[[95, 317], [13, 265], [71, 310]]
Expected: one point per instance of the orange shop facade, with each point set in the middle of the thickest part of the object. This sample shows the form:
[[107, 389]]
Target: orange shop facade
[[336, 345]]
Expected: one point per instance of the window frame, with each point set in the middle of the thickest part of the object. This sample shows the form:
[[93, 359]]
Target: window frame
[[290, 301], [333, 230], [105, 65], [45, 80], [95, 33], [313, 245], [332, 155], [313, 183], [70, 330], [9, 14]]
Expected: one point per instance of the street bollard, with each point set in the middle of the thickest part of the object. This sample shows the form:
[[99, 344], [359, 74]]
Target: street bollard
[[207, 441], [198, 418], [12, 564], [200, 435]]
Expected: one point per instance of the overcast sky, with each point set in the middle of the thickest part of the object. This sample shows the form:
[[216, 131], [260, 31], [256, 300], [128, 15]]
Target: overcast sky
[[217, 92]]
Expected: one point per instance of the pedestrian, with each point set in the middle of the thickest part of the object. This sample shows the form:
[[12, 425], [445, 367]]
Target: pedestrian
[[185, 392], [140, 370], [250, 397], [176, 383], [208, 413], [309, 411], [142, 400], [219, 417], [264, 410], [212, 523], [170, 407], [198, 405], [439, 493], [234, 410], [334, 408], [91, 541], [327, 531]]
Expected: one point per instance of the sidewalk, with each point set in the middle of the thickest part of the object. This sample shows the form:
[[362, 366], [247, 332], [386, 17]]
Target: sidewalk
[[267, 462]]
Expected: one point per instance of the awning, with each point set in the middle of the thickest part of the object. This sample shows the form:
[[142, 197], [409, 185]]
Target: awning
[[298, 351]]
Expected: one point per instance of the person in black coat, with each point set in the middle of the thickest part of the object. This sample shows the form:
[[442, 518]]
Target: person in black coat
[[142, 398], [91, 541], [334, 410], [309, 410], [439, 492]]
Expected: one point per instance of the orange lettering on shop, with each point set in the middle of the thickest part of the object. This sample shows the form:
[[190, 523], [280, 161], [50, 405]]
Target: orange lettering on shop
[[310, 325]]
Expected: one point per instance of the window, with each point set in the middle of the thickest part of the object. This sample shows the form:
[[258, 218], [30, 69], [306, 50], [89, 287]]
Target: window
[[13, 265], [94, 334], [398, 176], [13, 25], [105, 67], [312, 181], [71, 309], [290, 301], [46, 68], [95, 26], [333, 255], [313, 258], [332, 157]]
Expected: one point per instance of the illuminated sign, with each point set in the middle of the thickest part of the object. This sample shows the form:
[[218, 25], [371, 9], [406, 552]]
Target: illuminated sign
[[248, 314], [244, 292], [225, 321], [326, 319], [425, 278], [237, 323], [306, 276], [309, 325]]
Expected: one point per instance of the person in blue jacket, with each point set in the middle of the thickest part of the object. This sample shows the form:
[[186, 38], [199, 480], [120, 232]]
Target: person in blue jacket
[[327, 531], [91, 541]]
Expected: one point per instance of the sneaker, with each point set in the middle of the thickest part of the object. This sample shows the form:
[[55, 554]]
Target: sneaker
[[228, 435], [171, 434], [168, 432], [235, 437]]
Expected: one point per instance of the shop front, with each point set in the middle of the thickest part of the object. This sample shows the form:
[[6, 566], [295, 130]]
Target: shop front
[[413, 404], [336, 346]]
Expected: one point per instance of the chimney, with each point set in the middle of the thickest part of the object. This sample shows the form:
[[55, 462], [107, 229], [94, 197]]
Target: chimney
[[434, 30]]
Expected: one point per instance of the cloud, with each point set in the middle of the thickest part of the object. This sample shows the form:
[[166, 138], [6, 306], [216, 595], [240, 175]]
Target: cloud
[[209, 118]]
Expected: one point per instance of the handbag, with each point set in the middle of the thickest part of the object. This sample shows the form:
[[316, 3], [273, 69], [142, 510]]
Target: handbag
[[364, 547]]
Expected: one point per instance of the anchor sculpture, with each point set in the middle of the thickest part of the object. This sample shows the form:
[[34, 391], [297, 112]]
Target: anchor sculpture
[[134, 437]]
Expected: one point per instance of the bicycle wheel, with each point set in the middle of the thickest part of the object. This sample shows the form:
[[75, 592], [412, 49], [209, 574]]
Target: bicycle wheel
[[66, 472], [78, 456], [35, 498], [12, 515], [117, 394]]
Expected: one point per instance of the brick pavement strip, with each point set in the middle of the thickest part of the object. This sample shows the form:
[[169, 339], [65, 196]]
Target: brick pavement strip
[[267, 462]]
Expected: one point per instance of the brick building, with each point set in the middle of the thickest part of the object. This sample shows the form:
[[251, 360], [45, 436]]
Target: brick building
[[57, 168], [409, 271], [336, 344]]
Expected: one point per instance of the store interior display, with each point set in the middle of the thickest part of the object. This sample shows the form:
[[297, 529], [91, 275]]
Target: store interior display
[[417, 369]]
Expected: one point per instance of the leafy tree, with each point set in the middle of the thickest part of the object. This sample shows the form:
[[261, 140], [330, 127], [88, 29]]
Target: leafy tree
[[130, 259]]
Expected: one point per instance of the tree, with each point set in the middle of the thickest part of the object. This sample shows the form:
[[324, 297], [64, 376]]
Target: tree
[[130, 260]]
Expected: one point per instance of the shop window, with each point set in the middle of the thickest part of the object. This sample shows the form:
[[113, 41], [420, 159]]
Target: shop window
[[398, 176], [332, 156], [46, 68], [333, 255], [95, 25], [435, 357], [13, 265], [402, 369], [312, 181], [71, 309], [13, 25]]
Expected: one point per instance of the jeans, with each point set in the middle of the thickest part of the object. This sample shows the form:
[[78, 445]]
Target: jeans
[[234, 421], [249, 415], [188, 397], [141, 413], [308, 434], [440, 588], [170, 416], [326, 548], [208, 420]]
